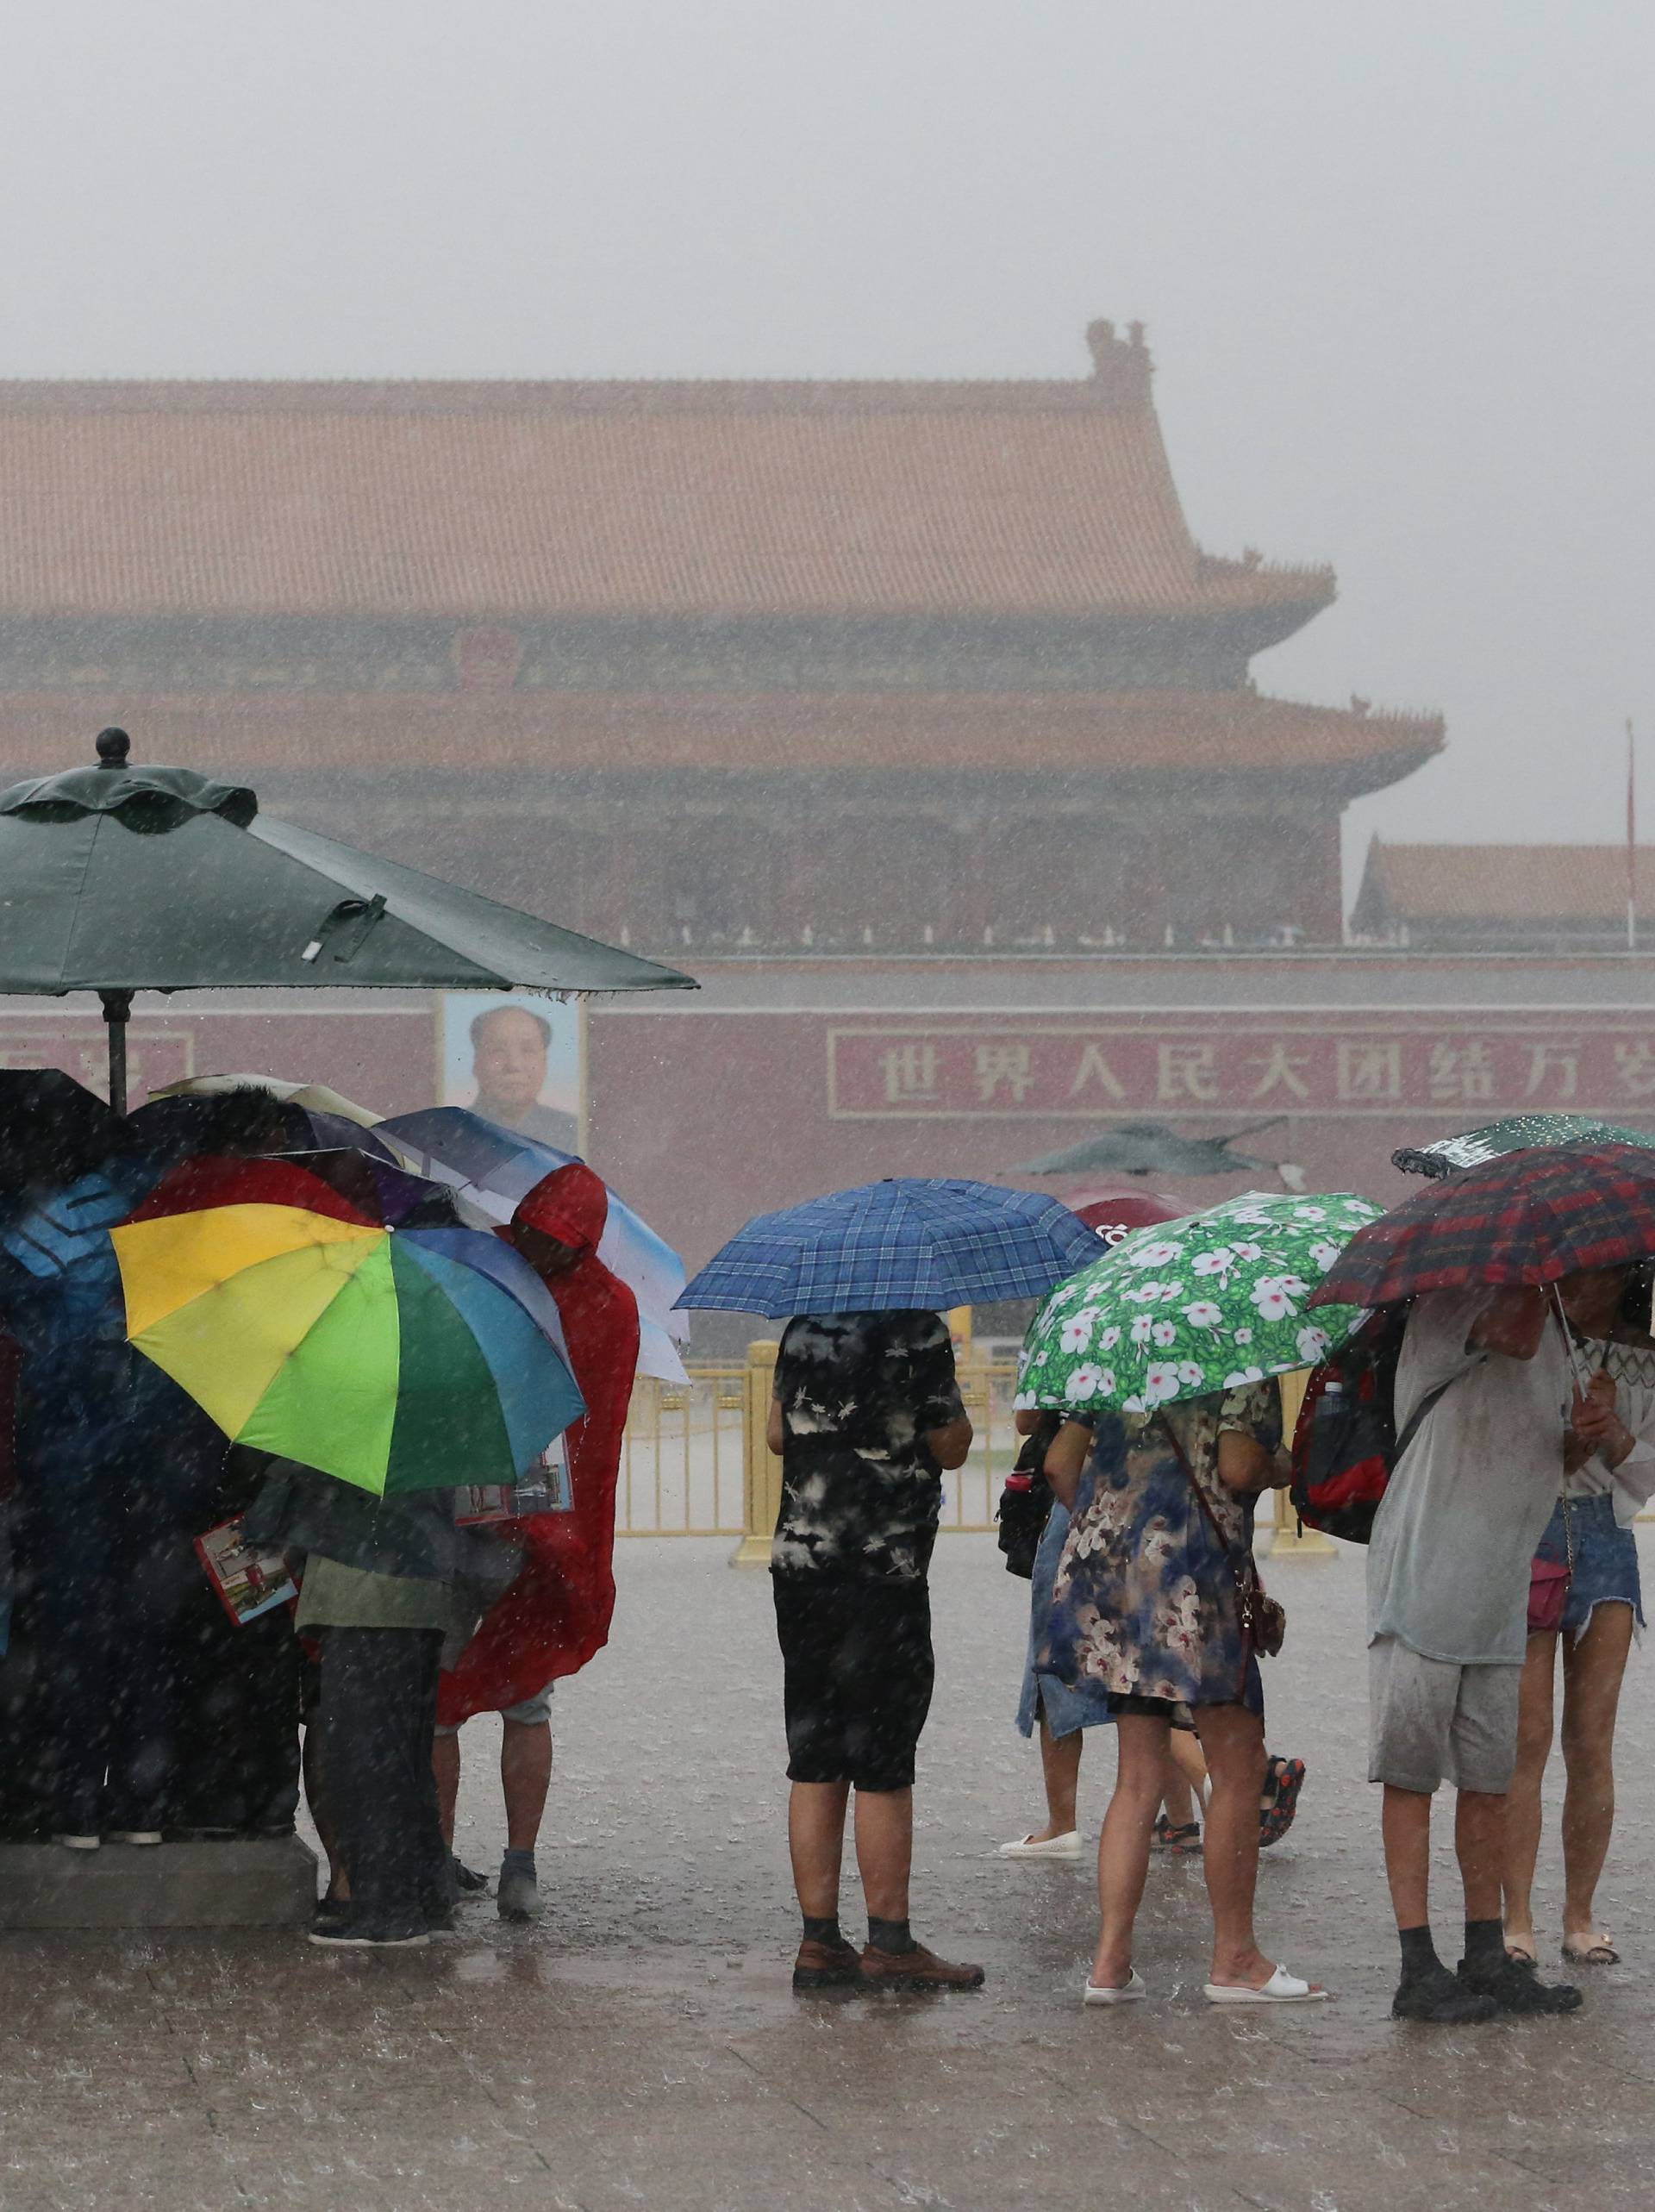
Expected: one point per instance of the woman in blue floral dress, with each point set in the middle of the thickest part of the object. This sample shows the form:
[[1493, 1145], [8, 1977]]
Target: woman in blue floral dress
[[1145, 1608]]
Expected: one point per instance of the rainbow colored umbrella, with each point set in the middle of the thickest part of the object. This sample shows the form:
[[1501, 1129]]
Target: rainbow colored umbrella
[[335, 1310]]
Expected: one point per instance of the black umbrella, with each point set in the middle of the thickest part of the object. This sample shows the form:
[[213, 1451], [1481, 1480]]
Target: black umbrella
[[118, 880], [52, 1128], [247, 1120]]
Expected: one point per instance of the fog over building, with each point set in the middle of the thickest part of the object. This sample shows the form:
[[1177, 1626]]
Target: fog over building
[[701, 665]]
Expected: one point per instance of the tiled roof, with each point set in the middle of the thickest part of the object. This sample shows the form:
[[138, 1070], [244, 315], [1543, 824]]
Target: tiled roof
[[1200, 733], [1414, 884], [503, 500]]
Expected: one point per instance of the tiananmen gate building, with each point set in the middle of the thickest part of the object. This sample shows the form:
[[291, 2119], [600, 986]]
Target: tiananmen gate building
[[910, 717]]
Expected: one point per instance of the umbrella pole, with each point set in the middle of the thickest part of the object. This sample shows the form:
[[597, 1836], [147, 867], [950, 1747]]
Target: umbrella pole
[[117, 1011]]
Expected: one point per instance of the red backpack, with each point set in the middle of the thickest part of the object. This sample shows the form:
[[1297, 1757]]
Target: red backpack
[[1346, 1445]]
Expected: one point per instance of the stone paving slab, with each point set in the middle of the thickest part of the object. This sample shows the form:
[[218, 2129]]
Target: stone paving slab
[[643, 2047]]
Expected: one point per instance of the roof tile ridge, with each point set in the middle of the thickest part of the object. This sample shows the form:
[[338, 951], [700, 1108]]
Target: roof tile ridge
[[573, 396]]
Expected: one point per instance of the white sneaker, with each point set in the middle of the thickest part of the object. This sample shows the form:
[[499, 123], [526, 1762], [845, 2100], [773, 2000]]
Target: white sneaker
[[79, 1842], [1055, 1847], [135, 1835]]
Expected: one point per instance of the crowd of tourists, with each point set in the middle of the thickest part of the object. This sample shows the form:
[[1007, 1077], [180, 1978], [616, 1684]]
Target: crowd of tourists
[[135, 1706], [1501, 1548]]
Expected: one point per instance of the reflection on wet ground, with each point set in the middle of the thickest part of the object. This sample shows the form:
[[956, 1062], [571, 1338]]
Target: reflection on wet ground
[[642, 2046]]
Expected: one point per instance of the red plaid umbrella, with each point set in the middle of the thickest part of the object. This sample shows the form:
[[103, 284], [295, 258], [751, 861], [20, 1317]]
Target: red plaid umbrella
[[1530, 1217]]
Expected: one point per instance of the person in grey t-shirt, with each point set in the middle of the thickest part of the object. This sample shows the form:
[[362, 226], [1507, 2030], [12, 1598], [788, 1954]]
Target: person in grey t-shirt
[[1448, 1571]]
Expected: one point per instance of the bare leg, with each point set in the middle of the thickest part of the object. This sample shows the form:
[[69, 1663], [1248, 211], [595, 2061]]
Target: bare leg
[[1480, 1846], [1176, 1797], [884, 1850], [816, 1840], [1123, 1844], [1191, 1762], [1060, 1772], [339, 1882], [1592, 1670], [1232, 1741], [445, 1764], [525, 1777], [1523, 1805], [1406, 1824]]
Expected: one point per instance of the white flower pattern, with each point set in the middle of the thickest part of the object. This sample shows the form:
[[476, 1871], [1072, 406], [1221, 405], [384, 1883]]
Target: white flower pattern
[[1231, 1312]]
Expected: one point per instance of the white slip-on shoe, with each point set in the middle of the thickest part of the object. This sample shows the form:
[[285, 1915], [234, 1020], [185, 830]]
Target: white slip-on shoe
[[1282, 1988], [1130, 1991], [1055, 1847]]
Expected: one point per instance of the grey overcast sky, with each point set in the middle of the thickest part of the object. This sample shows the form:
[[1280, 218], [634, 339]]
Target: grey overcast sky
[[1395, 260]]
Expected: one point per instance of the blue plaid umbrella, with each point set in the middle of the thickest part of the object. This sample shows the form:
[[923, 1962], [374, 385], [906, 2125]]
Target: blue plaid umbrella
[[909, 1243]]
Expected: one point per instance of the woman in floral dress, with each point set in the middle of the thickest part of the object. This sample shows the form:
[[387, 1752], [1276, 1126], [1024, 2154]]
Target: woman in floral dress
[[1144, 1606]]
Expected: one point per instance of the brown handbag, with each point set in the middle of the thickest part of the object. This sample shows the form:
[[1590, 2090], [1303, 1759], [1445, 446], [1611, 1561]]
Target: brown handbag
[[1261, 1618]]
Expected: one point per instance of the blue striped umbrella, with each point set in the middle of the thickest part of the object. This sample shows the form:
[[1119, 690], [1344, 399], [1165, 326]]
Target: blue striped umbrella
[[910, 1242]]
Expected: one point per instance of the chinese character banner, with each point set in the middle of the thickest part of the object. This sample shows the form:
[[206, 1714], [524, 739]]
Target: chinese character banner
[[1465, 1069]]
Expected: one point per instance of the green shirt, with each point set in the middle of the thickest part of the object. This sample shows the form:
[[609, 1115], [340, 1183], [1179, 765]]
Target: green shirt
[[335, 1596]]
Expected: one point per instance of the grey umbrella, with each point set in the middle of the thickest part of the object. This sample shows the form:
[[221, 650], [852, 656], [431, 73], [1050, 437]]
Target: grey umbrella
[[1150, 1148], [117, 879]]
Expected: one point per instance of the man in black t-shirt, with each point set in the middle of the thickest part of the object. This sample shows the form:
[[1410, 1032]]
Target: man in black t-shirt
[[866, 1416]]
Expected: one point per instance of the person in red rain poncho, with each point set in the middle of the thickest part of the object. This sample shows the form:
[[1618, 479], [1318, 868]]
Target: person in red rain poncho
[[556, 1615]]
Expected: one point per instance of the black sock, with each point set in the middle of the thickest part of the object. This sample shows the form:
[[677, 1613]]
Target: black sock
[[825, 1930], [1485, 1944], [1420, 1959], [519, 1862], [893, 1935]]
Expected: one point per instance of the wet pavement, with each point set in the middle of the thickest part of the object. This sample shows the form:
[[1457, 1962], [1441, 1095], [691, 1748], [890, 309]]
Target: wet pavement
[[642, 2046]]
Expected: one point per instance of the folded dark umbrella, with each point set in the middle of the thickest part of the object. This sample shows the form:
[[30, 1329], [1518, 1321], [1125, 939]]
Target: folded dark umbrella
[[1530, 1217]]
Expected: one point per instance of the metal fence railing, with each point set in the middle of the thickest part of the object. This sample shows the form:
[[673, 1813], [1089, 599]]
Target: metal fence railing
[[685, 1461]]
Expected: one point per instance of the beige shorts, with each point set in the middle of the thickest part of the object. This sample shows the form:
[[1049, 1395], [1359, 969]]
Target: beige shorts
[[528, 1715], [1430, 1721]]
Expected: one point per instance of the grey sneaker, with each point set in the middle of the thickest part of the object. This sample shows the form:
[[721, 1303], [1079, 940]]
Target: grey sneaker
[[519, 1895]]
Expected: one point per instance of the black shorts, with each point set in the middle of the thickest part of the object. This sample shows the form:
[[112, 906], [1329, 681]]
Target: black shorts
[[857, 1672]]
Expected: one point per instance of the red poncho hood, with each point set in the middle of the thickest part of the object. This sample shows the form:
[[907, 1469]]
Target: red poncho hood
[[557, 1613], [571, 1204]]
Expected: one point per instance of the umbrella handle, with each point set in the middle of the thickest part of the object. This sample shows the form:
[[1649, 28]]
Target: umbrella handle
[[1582, 1380], [117, 1012]]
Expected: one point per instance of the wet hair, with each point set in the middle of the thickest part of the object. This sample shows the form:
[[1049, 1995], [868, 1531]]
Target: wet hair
[[248, 1122], [480, 1021]]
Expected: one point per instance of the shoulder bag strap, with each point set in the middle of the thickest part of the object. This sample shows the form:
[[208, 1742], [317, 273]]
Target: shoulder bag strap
[[1205, 1503]]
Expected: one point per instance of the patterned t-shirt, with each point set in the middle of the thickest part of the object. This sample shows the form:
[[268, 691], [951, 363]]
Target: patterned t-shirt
[[860, 1492]]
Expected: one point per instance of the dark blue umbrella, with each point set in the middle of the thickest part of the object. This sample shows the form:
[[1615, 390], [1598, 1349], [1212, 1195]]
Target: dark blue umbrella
[[910, 1242]]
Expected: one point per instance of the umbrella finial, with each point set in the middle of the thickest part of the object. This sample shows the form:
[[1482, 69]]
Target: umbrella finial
[[112, 747]]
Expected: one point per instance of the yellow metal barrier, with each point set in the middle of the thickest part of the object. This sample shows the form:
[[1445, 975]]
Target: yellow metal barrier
[[695, 1464]]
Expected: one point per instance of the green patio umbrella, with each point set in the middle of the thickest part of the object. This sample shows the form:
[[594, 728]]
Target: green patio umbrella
[[117, 879]]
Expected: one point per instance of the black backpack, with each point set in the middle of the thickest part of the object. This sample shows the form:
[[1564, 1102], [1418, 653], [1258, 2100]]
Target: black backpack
[[1026, 1501], [1346, 1445]]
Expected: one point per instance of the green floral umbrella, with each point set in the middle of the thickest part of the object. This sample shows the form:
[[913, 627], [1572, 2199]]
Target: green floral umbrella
[[1190, 1307]]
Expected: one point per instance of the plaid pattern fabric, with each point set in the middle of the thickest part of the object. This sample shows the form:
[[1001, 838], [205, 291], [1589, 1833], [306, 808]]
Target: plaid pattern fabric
[[1529, 1217], [897, 1246]]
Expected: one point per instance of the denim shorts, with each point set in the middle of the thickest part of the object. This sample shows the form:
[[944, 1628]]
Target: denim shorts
[[1606, 1560]]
